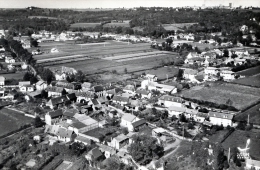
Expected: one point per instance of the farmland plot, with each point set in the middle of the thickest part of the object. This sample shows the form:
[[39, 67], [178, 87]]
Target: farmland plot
[[241, 96], [253, 81]]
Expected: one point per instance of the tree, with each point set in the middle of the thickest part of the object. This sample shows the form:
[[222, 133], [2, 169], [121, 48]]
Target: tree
[[80, 76], [44, 94], [144, 148], [33, 80], [125, 70], [63, 92], [34, 43], [38, 122], [27, 76]]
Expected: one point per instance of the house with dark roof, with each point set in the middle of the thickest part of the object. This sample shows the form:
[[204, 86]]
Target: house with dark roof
[[84, 97], [76, 126], [53, 117], [107, 150], [83, 140], [72, 97], [218, 118], [99, 90], [54, 91], [94, 156], [56, 102]]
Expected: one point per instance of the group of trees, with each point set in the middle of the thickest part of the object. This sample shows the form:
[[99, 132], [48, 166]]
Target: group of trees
[[145, 148], [30, 77]]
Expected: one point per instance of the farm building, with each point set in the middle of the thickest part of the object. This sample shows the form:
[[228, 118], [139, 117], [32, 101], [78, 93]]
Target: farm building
[[217, 118], [2, 80]]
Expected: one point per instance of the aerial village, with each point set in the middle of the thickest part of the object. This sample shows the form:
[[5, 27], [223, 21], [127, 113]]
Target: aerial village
[[79, 124]]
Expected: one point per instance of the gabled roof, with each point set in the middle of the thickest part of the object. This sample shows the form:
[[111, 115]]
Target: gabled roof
[[94, 101], [221, 115], [78, 125], [201, 114], [98, 88], [190, 71], [120, 99], [24, 83], [86, 85], [128, 117], [87, 94], [39, 83], [96, 153], [70, 112], [114, 91], [65, 85], [121, 138], [2, 78], [59, 100], [56, 113], [141, 91], [139, 123], [54, 89], [129, 87], [171, 98], [71, 96], [83, 139], [177, 109], [191, 111], [105, 148], [62, 132]]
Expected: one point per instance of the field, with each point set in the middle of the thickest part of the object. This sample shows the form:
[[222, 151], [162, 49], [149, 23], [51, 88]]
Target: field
[[100, 58], [254, 115], [11, 120], [239, 138], [253, 81], [241, 96], [249, 72], [179, 26], [84, 25], [117, 24], [18, 75], [41, 17]]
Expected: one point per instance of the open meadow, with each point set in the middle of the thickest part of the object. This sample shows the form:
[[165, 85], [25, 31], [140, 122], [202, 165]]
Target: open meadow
[[250, 71], [11, 120], [109, 57], [84, 25], [176, 26], [240, 97], [253, 81], [254, 115]]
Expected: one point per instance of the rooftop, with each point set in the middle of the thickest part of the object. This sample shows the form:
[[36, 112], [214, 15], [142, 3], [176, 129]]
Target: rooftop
[[220, 115], [128, 117]]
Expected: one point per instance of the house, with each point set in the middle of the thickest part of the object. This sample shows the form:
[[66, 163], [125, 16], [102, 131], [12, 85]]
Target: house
[[83, 97], [191, 113], [99, 90], [167, 101], [69, 86], [176, 110], [53, 117], [192, 55], [161, 135], [217, 118], [211, 71], [124, 157], [200, 117], [24, 83], [26, 88], [227, 75], [143, 93], [94, 156], [41, 85], [151, 77], [65, 135], [9, 60], [112, 92], [190, 74], [83, 140], [56, 102], [252, 164], [129, 89], [86, 86], [121, 100], [60, 75], [2, 80], [119, 141], [54, 91], [107, 150], [134, 105], [138, 124], [11, 95], [131, 122], [162, 88]]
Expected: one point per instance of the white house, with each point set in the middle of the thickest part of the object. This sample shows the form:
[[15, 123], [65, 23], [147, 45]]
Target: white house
[[41, 85], [121, 100], [53, 117], [168, 101], [250, 163], [129, 89], [2, 80], [211, 70], [26, 88], [175, 111], [143, 93], [217, 118], [127, 121], [190, 74], [227, 75], [151, 77], [162, 88], [65, 135], [9, 60], [119, 141]]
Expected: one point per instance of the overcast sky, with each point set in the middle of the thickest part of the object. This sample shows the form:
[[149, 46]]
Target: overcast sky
[[121, 3]]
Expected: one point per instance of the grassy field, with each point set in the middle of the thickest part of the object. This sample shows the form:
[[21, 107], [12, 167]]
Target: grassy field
[[161, 72], [254, 115], [84, 25], [249, 72], [239, 138], [253, 81], [117, 24], [219, 93], [11, 120]]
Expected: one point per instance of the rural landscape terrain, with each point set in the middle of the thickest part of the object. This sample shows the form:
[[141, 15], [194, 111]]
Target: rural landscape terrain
[[145, 88]]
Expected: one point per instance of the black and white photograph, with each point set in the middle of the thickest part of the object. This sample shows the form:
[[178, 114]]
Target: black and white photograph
[[129, 85]]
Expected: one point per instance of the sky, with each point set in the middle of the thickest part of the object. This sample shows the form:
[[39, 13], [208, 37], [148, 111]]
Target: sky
[[121, 3]]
